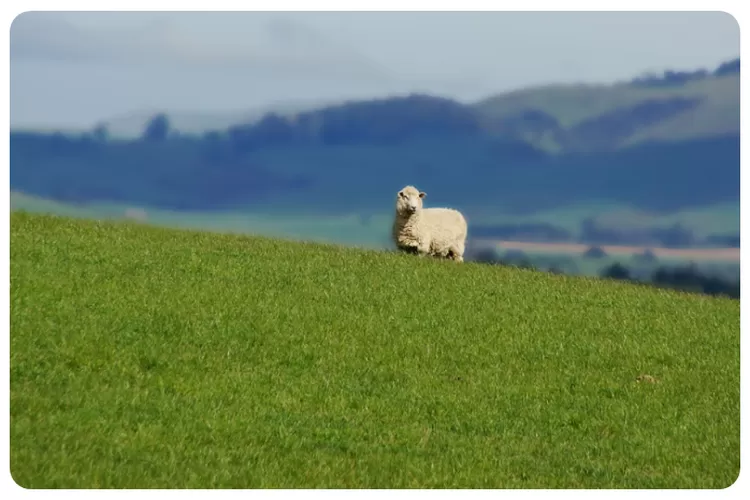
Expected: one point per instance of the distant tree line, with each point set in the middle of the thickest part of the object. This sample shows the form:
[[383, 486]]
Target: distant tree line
[[677, 78], [160, 170], [557, 264], [728, 68], [377, 121], [687, 277], [593, 233]]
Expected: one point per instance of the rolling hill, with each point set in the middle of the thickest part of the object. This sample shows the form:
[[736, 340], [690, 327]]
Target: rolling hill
[[562, 118], [659, 145], [554, 117], [154, 358]]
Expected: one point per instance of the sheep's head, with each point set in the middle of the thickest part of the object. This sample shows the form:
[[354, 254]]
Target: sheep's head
[[409, 200]]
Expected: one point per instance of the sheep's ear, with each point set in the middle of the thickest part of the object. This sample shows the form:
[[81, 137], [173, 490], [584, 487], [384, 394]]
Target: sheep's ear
[[401, 194], [422, 194]]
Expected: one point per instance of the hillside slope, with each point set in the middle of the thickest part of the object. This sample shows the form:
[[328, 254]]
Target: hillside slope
[[554, 117], [594, 117], [662, 144], [145, 357]]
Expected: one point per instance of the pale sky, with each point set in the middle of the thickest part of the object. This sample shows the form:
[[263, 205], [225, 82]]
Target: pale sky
[[72, 69]]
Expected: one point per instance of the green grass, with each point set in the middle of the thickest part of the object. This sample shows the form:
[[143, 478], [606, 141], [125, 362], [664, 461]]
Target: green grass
[[143, 357], [346, 228]]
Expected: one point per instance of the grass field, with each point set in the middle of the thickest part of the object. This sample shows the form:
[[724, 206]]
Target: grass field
[[144, 357], [346, 228]]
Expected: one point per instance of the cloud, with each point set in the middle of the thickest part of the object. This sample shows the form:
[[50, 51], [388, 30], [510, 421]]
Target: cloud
[[282, 46]]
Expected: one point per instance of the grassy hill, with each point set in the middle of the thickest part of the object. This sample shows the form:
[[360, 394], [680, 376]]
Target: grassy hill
[[659, 145], [145, 357], [561, 117]]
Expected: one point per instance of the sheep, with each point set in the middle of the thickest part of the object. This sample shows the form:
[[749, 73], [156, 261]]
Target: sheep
[[438, 232]]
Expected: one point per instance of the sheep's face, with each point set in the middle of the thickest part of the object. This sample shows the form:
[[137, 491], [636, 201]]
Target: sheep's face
[[409, 200]]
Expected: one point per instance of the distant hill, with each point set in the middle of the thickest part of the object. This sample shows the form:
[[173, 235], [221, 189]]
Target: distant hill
[[661, 143], [677, 105], [561, 118]]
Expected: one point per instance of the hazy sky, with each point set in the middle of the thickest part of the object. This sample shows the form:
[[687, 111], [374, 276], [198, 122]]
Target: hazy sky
[[73, 69]]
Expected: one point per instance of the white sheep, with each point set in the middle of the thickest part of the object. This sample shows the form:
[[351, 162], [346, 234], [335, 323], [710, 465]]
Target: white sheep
[[439, 232]]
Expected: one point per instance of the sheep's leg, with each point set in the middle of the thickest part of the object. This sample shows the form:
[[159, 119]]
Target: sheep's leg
[[456, 252], [423, 249]]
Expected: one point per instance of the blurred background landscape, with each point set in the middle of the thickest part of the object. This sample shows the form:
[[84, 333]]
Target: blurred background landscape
[[583, 143]]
